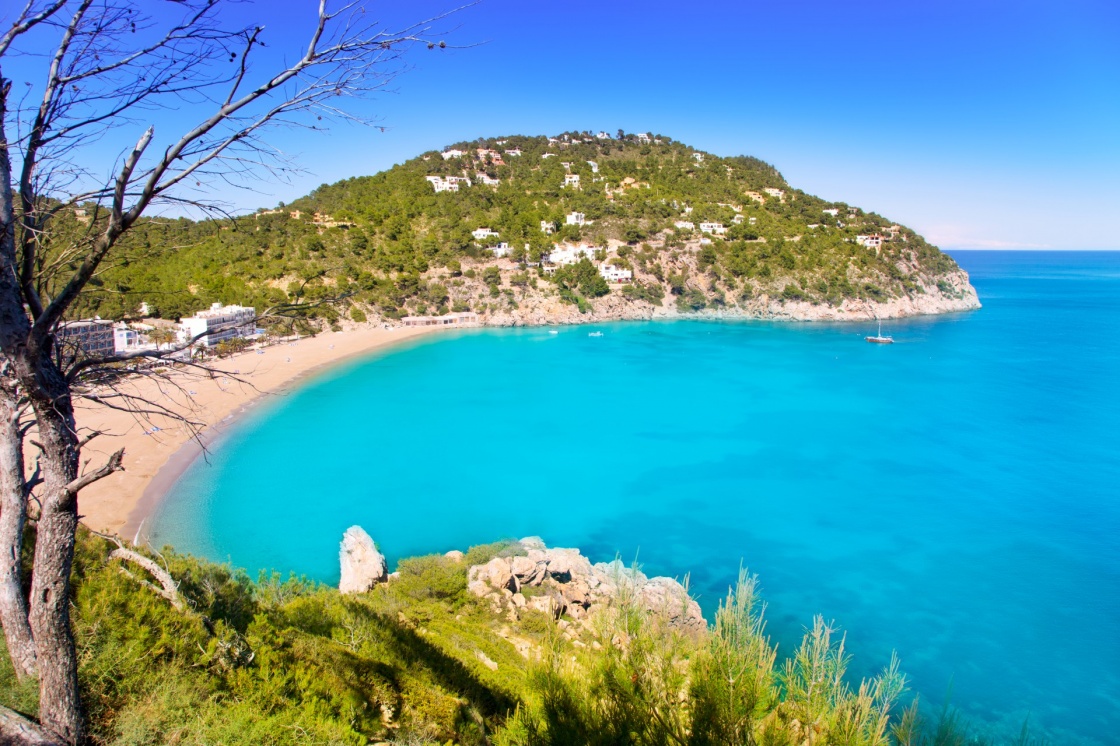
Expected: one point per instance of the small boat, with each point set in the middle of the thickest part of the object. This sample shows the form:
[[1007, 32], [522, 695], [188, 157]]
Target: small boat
[[595, 334], [879, 339], [553, 331]]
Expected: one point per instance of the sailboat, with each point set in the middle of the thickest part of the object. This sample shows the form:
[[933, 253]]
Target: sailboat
[[879, 339]]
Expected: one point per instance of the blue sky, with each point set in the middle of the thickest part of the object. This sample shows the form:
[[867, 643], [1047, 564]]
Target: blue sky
[[980, 124]]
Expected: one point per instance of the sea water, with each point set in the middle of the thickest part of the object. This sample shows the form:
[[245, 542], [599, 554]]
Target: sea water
[[954, 497]]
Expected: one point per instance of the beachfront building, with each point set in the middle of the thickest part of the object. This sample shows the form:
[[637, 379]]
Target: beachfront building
[[614, 274], [128, 338], [218, 324], [483, 233], [713, 228], [453, 153], [871, 241], [463, 318], [91, 337], [575, 218]]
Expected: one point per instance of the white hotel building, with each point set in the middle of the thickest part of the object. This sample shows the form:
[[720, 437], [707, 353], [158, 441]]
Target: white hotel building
[[218, 324]]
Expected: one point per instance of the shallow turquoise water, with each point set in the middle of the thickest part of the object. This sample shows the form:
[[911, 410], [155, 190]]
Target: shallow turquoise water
[[955, 496]]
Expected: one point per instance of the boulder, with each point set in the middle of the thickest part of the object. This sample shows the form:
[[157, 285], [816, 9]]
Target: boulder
[[362, 565], [495, 573], [455, 555], [528, 571]]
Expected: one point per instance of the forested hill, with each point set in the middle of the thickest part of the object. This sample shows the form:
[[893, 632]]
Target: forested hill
[[401, 246]]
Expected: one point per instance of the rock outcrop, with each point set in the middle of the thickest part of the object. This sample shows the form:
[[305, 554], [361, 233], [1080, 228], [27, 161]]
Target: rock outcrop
[[362, 565], [564, 582]]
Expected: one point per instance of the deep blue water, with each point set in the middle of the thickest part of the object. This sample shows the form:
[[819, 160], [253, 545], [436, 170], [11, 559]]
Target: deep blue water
[[955, 496]]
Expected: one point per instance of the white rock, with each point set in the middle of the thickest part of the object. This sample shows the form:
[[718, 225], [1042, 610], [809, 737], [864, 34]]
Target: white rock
[[455, 554], [362, 565]]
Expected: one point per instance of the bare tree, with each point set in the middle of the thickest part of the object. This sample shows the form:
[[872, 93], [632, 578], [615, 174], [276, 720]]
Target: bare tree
[[111, 64]]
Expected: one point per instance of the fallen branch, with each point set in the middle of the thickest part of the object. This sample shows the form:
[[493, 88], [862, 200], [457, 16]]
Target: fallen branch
[[17, 730], [168, 589]]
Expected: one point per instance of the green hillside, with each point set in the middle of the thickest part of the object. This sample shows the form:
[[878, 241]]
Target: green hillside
[[396, 246]]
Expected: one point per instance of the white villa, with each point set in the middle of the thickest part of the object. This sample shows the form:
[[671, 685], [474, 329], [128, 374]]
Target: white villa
[[714, 228], [547, 227], [218, 324], [686, 225], [571, 180], [871, 241], [481, 233], [571, 254], [699, 157], [500, 250], [575, 218], [130, 339], [779, 193], [548, 155], [594, 167], [447, 183], [614, 274], [449, 154], [831, 211], [488, 181], [603, 136], [515, 152], [644, 137]]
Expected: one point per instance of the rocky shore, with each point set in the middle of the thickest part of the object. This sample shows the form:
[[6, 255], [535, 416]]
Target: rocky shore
[[558, 582]]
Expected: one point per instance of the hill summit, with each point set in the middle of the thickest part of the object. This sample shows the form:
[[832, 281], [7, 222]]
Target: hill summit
[[530, 230]]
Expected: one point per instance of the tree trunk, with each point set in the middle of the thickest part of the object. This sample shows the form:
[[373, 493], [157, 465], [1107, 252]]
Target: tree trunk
[[16, 730], [59, 708], [13, 518]]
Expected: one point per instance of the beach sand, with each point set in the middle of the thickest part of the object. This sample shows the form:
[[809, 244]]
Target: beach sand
[[120, 503]]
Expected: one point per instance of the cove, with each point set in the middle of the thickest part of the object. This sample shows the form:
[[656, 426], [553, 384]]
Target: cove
[[952, 496]]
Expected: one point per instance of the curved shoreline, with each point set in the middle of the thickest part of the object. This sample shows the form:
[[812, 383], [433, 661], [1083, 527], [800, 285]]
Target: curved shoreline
[[125, 503]]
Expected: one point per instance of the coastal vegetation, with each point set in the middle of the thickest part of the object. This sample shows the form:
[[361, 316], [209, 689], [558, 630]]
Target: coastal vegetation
[[392, 245], [421, 660]]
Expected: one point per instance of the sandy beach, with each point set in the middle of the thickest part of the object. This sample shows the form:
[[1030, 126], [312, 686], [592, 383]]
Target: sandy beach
[[153, 459]]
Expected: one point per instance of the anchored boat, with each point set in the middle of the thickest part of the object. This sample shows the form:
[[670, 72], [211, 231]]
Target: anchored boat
[[879, 339]]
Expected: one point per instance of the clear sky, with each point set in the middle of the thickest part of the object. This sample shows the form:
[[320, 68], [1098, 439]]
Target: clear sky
[[981, 124]]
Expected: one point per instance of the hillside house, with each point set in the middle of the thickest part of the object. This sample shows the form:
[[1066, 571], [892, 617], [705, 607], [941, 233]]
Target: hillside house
[[548, 155], [448, 183], [575, 218], [571, 180], [570, 254], [594, 167], [738, 219], [685, 225], [779, 193], [487, 180], [500, 250], [514, 152], [871, 241], [831, 211], [603, 136], [698, 157], [453, 153], [713, 228], [483, 233], [642, 137], [547, 227], [614, 274]]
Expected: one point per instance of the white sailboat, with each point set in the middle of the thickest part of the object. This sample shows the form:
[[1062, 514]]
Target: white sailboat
[[879, 339]]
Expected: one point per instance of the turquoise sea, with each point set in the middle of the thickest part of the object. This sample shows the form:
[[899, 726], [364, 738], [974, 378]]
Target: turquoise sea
[[954, 496]]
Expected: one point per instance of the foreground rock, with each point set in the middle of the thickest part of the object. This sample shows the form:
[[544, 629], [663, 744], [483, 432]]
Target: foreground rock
[[362, 565], [564, 582]]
